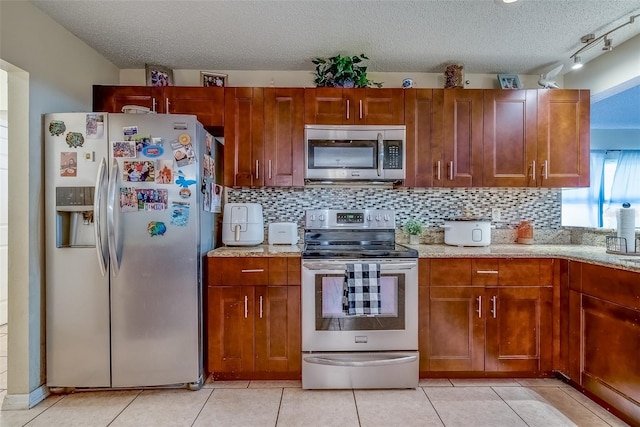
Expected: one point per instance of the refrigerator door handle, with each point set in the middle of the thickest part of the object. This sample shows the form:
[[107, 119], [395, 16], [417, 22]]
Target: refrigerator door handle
[[97, 225], [111, 207]]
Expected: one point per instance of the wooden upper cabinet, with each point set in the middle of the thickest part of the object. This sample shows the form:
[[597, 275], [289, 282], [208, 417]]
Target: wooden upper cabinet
[[563, 137], [338, 106], [111, 99], [510, 138], [462, 138], [244, 137], [207, 103], [284, 137], [423, 119]]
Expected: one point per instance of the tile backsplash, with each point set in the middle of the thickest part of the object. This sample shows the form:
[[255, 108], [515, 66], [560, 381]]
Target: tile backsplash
[[541, 206]]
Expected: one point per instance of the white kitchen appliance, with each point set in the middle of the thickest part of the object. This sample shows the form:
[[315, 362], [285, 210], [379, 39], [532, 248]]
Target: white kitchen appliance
[[126, 228], [283, 233], [467, 231], [242, 224]]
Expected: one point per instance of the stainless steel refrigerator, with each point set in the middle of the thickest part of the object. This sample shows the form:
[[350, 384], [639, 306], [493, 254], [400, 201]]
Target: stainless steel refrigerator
[[131, 203]]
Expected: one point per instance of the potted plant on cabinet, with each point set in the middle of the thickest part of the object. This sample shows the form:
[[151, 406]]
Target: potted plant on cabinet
[[413, 228], [342, 71]]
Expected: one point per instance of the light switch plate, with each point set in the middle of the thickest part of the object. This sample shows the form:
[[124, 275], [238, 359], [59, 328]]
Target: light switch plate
[[495, 214]]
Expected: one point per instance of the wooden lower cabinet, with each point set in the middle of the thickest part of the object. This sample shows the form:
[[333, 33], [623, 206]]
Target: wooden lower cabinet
[[482, 317], [253, 331], [604, 339]]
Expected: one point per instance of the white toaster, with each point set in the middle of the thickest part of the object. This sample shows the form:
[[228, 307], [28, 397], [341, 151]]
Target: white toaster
[[283, 233]]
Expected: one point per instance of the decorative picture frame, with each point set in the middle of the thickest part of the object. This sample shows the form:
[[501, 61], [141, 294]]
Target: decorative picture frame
[[509, 81], [157, 75], [211, 79]]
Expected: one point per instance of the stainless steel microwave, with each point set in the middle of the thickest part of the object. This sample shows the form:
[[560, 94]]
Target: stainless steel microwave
[[355, 153]]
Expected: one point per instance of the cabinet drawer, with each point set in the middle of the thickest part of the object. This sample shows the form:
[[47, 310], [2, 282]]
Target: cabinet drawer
[[525, 272], [451, 272], [484, 272], [617, 286], [238, 271]]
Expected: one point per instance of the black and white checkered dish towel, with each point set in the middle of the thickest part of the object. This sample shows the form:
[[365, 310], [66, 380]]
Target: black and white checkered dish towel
[[362, 289]]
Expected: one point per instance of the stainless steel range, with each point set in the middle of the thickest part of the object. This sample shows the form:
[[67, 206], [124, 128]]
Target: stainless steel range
[[359, 302]]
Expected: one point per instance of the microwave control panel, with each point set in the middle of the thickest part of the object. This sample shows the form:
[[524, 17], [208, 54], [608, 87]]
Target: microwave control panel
[[392, 155]]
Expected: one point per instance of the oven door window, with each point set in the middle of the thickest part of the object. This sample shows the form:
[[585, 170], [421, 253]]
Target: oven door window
[[330, 315], [326, 154]]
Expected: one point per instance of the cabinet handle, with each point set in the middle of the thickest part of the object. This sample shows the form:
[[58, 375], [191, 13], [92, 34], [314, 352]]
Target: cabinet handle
[[494, 308], [347, 109], [261, 306], [486, 272], [533, 170], [254, 270], [451, 170], [269, 169], [361, 109], [479, 307], [246, 306], [257, 169], [438, 170], [166, 101], [545, 169], [153, 104]]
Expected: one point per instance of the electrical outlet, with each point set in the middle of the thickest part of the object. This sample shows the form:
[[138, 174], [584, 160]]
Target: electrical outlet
[[495, 214]]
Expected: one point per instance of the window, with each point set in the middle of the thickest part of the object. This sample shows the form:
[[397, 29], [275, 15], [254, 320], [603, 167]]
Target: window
[[615, 179]]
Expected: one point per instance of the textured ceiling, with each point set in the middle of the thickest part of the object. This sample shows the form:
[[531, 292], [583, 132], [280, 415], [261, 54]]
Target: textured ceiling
[[528, 37]]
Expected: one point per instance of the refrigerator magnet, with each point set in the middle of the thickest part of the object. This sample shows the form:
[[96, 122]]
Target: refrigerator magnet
[[75, 139], [152, 199], [180, 214], [130, 132], [124, 149], [95, 126], [139, 171], [184, 139], [183, 154], [152, 151], [68, 163], [156, 228], [57, 127], [165, 171], [128, 199]]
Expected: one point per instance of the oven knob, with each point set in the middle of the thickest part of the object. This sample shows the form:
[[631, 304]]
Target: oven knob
[[386, 217], [368, 217], [377, 217], [321, 217], [312, 217]]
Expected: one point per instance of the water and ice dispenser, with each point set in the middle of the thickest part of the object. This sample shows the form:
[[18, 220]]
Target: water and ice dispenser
[[74, 217]]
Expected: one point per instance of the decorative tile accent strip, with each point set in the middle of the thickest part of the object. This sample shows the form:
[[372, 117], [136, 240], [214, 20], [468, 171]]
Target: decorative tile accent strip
[[541, 206]]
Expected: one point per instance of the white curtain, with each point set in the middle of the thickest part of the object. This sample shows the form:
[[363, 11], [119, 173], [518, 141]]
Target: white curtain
[[581, 206], [626, 181]]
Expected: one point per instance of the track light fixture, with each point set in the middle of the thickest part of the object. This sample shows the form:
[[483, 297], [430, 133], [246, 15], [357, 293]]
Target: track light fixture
[[591, 39], [577, 63]]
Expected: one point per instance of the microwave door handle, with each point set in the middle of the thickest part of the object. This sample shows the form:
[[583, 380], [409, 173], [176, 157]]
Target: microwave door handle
[[380, 153]]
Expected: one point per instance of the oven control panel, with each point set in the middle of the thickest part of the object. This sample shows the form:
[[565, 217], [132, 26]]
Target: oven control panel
[[350, 218]]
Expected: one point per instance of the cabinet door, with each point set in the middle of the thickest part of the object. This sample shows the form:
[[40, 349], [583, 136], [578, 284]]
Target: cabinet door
[[563, 137], [378, 106], [611, 364], [207, 103], [230, 322], [284, 137], [423, 118], [510, 138], [327, 106], [277, 333], [462, 137], [519, 333], [456, 329], [243, 137], [111, 99]]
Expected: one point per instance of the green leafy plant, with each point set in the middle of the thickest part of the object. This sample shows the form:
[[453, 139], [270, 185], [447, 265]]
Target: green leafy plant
[[342, 71], [413, 227]]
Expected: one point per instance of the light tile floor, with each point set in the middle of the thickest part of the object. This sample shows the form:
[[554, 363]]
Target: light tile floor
[[436, 402]]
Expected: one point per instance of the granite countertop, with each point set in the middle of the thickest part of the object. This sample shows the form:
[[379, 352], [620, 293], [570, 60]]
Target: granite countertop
[[583, 253]]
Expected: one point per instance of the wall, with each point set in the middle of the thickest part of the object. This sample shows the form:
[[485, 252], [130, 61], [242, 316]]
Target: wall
[[49, 69], [541, 206], [305, 79]]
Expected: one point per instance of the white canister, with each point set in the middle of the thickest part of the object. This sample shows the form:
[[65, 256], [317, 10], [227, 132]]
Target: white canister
[[467, 231]]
